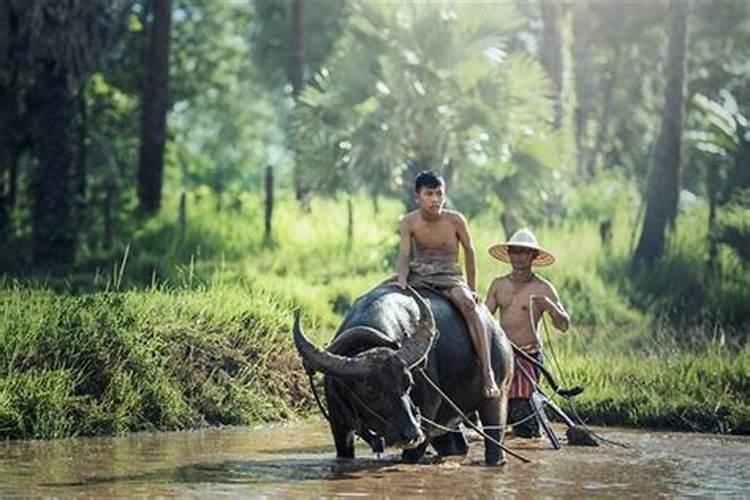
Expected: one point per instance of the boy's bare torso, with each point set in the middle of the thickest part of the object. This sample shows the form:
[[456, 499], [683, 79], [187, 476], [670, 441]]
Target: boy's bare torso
[[513, 300], [435, 240]]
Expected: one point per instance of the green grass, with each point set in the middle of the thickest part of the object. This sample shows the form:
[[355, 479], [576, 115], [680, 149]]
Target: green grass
[[176, 330], [116, 362], [704, 390]]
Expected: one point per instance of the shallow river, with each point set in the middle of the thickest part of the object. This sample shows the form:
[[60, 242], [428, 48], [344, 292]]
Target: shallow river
[[297, 460]]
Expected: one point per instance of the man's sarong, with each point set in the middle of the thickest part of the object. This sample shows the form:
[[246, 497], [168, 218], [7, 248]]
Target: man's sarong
[[525, 375]]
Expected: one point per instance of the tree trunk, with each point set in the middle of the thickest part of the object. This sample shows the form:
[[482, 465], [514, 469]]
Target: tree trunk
[[268, 216], [182, 216], [6, 153], [110, 198], [155, 103], [297, 79], [551, 52], [349, 223], [15, 160], [8, 111], [712, 189], [584, 94], [509, 223], [664, 177], [375, 197], [609, 85], [53, 196], [297, 63], [5, 33], [79, 172]]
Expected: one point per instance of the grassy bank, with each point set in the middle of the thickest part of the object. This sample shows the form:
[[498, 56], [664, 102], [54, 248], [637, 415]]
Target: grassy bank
[[653, 381], [178, 329], [116, 362]]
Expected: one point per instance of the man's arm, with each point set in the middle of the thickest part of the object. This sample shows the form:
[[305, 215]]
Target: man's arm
[[404, 249], [470, 258], [491, 301], [550, 302]]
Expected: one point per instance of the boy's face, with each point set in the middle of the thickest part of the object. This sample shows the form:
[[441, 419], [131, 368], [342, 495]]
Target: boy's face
[[521, 257], [431, 200]]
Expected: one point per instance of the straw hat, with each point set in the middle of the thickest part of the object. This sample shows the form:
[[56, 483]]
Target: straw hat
[[522, 238]]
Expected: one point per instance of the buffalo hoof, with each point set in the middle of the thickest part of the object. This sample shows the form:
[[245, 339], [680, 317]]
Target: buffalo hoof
[[452, 444], [414, 455], [495, 458]]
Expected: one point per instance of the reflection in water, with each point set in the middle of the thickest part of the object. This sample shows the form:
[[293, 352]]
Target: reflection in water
[[299, 460]]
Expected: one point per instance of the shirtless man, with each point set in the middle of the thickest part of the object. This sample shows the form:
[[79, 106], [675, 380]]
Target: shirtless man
[[437, 233], [522, 297]]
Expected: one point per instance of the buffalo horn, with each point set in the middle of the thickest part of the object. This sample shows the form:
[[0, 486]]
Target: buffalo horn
[[416, 347], [359, 337], [321, 360]]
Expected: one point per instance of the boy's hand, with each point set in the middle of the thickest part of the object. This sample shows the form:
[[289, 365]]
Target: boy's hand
[[401, 283]]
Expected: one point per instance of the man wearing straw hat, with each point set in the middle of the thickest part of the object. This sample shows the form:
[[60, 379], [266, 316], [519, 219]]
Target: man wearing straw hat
[[522, 297]]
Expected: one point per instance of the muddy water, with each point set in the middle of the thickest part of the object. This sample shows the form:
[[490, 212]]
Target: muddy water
[[298, 460]]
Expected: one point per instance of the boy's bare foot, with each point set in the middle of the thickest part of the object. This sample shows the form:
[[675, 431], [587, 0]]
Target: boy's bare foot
[[490, 390]]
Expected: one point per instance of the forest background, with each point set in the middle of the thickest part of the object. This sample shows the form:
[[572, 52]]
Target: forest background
[[176, 176]]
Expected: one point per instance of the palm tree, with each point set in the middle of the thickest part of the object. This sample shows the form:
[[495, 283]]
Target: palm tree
[[720, 136], [416, 85]]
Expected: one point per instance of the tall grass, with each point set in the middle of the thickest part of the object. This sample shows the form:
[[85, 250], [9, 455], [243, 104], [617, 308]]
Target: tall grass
[[701, 390], [156, 359], [177, 328]]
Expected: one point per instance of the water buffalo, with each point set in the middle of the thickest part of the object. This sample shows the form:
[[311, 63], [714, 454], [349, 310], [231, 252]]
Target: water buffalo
[[372, 386]]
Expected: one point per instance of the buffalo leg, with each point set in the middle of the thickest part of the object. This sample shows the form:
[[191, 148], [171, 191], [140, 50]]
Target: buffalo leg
[[492, 414], [343, 438], [413, 455], [449, 444]]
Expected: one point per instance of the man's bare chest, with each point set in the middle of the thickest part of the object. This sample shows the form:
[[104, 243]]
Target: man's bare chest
[[514, 298]]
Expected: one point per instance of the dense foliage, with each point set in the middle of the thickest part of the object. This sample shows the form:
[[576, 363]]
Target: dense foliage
[[294, 129]]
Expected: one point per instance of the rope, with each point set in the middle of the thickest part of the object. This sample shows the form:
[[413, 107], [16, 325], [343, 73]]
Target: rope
[[485, 427], [558, 367], [469, 422], [572, 409], [439, 426], [317, 399], [534, 327], [369, 409], [359, 431]]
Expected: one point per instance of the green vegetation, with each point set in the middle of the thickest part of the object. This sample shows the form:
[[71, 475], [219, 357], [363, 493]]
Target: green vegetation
[[700, 389], [204, 339], [115, 362], [177, 175]]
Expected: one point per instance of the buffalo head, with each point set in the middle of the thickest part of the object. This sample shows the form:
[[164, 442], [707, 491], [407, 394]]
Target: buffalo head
[[374, 384]]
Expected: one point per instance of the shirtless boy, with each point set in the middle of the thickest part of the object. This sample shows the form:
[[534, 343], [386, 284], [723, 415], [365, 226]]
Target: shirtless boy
[[437, 234], [522, 297]]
